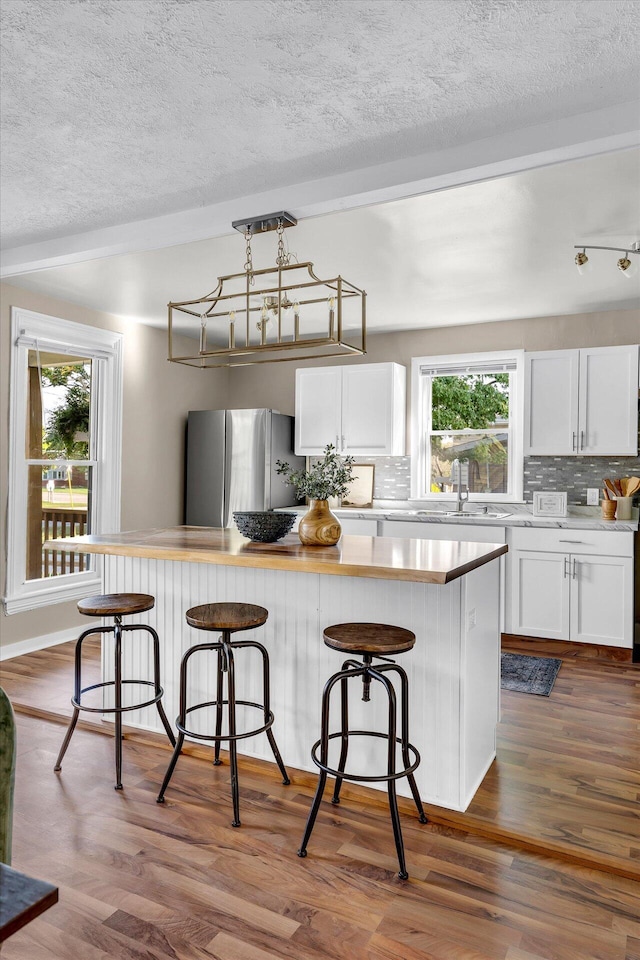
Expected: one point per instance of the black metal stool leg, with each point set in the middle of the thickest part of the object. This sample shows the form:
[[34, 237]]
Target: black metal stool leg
[[77, 691], [156, 680], [266, 699], [171, 767], [117, 633], [219, 698], [233, 746], [344, 730], [391, 769], [404, 708], [67, 738], [324, 759], [181, 722]]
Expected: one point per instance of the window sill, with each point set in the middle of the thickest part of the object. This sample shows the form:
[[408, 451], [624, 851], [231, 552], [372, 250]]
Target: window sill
[[45, 596]]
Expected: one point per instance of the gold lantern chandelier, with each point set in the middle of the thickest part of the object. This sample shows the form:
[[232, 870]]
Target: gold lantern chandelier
[[283, 312]]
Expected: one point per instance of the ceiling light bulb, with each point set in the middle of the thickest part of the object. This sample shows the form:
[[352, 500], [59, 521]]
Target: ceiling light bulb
[[582, 263], [627, 268]]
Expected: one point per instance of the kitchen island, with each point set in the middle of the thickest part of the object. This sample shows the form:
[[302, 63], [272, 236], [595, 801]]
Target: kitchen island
[[446, 592]]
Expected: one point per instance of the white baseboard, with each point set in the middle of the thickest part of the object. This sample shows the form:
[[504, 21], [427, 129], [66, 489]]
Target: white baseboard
[[30, 645]]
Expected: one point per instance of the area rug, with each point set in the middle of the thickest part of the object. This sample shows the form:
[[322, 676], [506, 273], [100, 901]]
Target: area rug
[[529, 674]]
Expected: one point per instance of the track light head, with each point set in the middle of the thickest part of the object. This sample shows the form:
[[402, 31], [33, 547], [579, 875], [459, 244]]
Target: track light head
[[582, 263], [627, 268]]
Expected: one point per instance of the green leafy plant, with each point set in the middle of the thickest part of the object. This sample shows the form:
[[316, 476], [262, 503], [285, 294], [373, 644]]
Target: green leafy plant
[[329, 477], [66, 422]]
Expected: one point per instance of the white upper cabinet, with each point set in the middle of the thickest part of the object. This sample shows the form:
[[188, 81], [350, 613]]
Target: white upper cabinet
[[551, 403], [359, 408], [608, 401], [318, 409], [582, 402]]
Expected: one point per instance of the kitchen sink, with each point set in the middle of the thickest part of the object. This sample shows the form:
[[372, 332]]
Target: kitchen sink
[[489, 515]]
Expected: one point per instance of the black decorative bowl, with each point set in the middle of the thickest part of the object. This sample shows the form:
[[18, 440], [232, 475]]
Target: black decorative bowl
[[263, 526]]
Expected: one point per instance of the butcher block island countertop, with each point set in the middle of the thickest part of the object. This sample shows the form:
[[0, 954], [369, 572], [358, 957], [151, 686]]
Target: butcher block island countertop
[[384, 558], [446, 592]]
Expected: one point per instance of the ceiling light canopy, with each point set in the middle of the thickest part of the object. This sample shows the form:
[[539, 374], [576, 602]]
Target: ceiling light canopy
[[283, 312], [626, 266]]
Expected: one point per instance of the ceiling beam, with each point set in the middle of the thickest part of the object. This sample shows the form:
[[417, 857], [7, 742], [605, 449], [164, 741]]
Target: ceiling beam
[[572, 138]]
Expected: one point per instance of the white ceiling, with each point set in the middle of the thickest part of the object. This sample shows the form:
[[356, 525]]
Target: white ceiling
[[116, 111], [495, 250]]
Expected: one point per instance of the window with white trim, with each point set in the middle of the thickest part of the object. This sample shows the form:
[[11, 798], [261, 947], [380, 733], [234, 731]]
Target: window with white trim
[[467, 414], [65, 440]]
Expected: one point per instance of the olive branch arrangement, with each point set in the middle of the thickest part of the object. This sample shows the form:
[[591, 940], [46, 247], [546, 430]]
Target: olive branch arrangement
[[329, 477]]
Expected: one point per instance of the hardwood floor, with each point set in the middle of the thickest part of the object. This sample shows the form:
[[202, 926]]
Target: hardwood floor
[[143, 881], [140, 881]]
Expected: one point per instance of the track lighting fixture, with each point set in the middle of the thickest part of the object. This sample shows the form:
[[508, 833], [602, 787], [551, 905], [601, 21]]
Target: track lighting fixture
[[626, 266]]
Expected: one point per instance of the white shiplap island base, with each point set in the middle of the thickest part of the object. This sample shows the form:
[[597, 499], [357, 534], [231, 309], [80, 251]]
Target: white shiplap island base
[[446, 592]]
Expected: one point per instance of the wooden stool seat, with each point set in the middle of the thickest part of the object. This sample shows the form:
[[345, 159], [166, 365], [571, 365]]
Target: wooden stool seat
[[376, 639], [116, 604], [227, 616]]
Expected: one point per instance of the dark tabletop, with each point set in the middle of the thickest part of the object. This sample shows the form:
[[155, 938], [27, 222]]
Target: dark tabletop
[[22, 899]]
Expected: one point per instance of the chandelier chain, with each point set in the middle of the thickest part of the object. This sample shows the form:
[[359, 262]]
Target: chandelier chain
[[282, 259], [248, 266]]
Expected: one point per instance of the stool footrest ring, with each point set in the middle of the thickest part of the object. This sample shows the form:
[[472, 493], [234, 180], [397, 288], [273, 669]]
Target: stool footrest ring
[[112, 683], [223, 736], [385, 778]]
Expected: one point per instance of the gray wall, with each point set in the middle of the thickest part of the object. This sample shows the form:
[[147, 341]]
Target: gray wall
[[157, 396], [273, 385]]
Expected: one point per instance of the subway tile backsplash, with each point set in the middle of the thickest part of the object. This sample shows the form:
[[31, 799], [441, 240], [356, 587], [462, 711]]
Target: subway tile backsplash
[[574, 474], [392, 475]]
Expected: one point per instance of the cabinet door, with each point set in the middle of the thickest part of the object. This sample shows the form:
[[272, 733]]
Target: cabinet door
[[602, 600], [373, 407], [551, 403], [608, 423], [318, 409], [540, 594]]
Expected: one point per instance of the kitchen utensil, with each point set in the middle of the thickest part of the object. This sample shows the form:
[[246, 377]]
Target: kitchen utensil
[[618, 487], [632, 486], [610, 485], [605, 492], [608, 509], [623, 509]]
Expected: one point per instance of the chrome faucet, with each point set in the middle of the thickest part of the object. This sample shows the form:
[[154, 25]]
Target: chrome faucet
[[460, 500]]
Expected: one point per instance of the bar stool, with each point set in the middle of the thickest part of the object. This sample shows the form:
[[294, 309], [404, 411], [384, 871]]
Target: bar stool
[[225, 618], [116, 605], [367, 640]]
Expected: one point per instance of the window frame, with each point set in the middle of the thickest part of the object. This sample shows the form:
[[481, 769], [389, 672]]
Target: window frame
[[421, 424], [53, 334]]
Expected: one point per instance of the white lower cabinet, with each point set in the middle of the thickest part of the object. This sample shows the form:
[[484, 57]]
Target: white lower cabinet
[[577, 587]]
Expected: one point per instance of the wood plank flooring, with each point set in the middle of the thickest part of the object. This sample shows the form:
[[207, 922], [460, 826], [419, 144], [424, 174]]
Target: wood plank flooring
[[567, 775], [140, 881], [147, 882]]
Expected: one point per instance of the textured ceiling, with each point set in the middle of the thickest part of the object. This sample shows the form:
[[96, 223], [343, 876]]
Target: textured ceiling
[[497, 250], [115, 111]]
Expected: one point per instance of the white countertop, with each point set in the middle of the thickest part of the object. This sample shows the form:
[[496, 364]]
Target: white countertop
[[519, 515]]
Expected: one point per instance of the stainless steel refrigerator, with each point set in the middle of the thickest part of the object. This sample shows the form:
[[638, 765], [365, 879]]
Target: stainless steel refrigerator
[[231, 464]]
